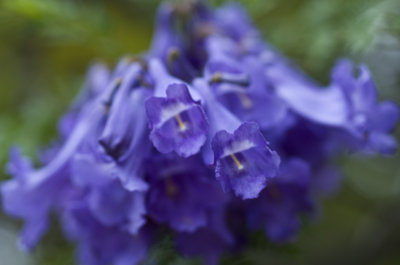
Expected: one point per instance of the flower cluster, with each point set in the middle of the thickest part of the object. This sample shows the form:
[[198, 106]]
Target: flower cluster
[[209, 135]]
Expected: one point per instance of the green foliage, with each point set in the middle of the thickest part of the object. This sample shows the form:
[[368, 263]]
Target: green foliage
[[314, 33], [163, 253]]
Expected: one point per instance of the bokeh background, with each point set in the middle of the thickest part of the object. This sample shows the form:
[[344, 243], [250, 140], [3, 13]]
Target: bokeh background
[[46, 46]]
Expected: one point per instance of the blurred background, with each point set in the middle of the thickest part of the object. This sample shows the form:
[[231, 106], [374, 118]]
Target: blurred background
[[46, 46]]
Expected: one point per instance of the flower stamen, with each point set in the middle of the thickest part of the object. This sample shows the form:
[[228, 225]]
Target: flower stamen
[[173, 54], [236, 79], [237, 162], [182, 125]]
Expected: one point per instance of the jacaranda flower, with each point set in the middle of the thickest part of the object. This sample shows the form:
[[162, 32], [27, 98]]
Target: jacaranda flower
[[209, 136], [178, 123], [244, 162]]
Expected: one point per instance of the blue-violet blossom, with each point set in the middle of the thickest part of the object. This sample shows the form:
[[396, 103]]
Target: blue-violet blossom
[[209, 136]]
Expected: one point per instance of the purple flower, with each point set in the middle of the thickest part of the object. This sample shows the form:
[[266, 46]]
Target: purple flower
[[244, 162], [242, 87], [318, 142], [177, 122], [96, 82], [99, 244], [30, 201], [220, 118], [349, 103], [123, 133], [32, 193], [164, 37], [226, 19], [209, 242], [368, 120], [240, 152], [168, 43], [278, 207], [207, 96], [179, 188], [124, 114], [111, 204]]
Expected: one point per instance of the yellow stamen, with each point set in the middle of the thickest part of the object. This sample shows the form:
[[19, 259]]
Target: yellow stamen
[[216, 78], [173, 55], [182, 125], [237, 162]]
